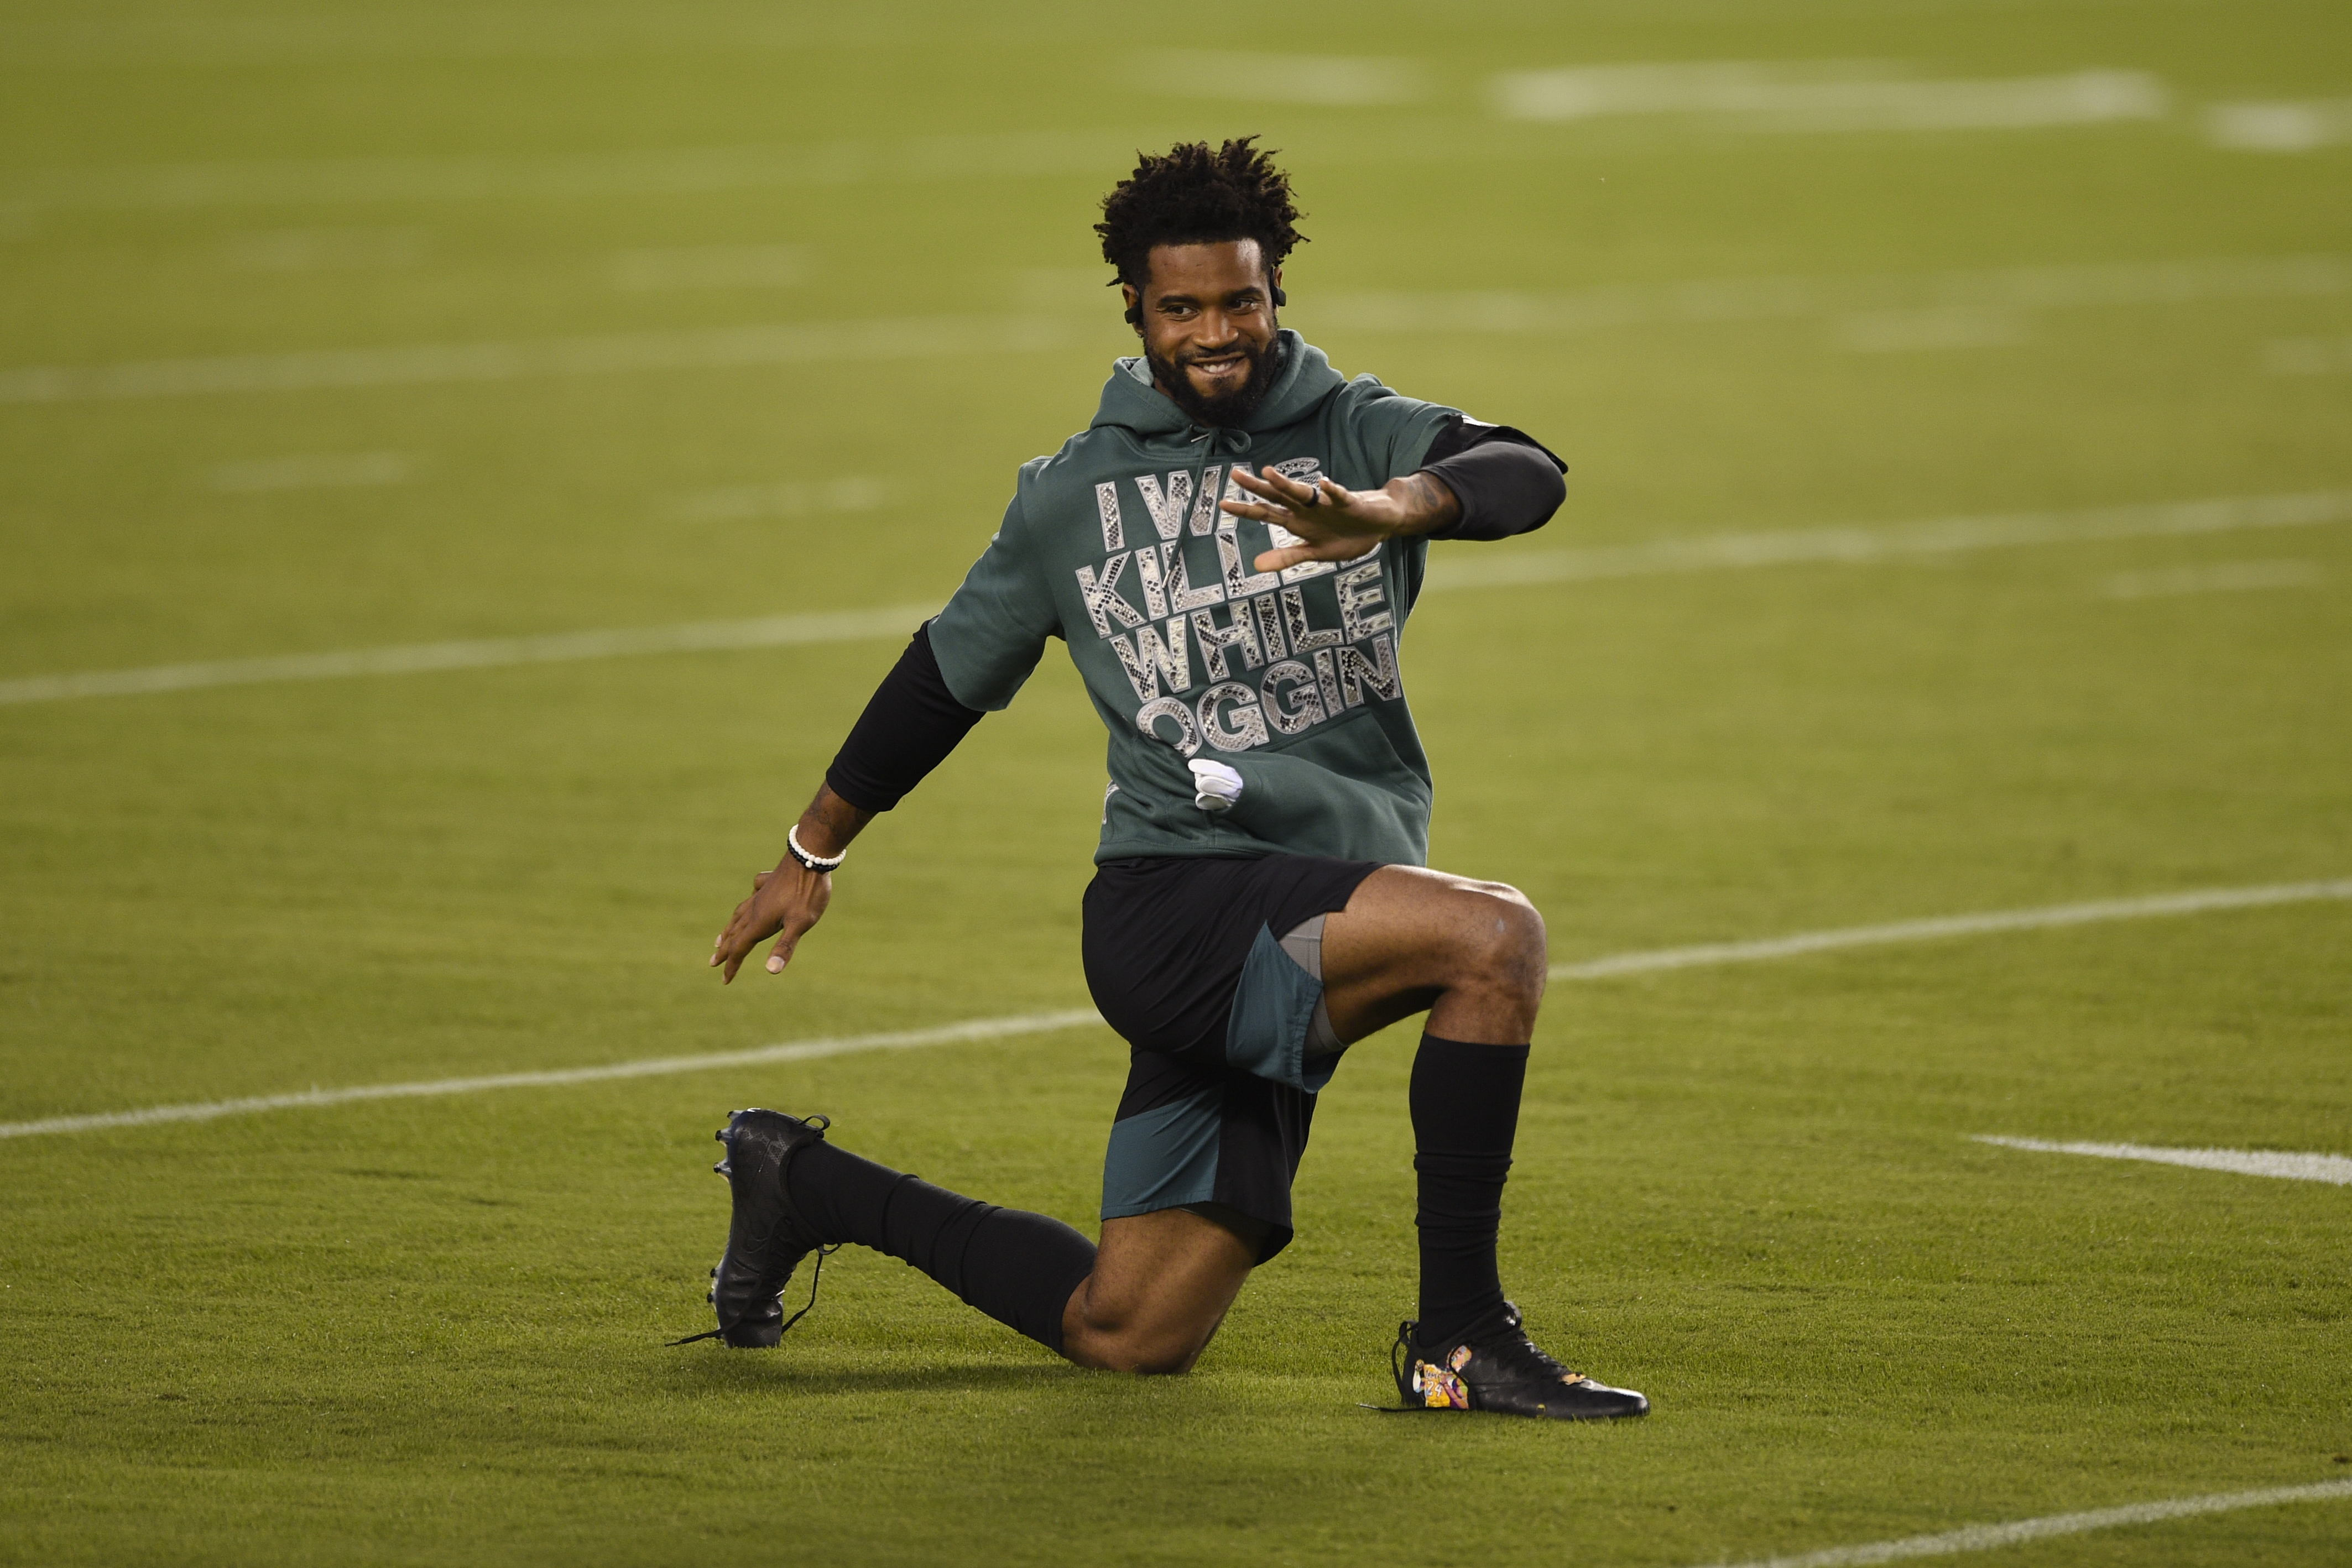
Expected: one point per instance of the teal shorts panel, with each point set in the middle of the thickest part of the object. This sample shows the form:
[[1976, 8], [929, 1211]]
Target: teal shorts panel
[[1274, 1004], [1165, 1157]]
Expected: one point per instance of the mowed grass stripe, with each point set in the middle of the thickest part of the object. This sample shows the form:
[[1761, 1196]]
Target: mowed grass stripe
[[1704, 552], [1903, 297], [1986, 1537], [1724, 301], [1671, 959], [652, 171], [718, 348]]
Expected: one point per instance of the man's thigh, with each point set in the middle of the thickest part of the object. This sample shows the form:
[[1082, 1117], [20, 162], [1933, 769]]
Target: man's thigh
[[1409, 935]]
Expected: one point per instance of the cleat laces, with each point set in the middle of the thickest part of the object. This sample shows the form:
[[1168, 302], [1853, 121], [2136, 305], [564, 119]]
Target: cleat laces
[[1528, 1361], [815, 1274], [1509, 1350]]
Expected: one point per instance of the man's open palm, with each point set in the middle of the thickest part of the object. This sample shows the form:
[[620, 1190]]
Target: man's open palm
[[1334, 523]]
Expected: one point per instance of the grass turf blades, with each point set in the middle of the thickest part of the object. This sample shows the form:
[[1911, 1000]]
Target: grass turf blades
[[430, 1330]]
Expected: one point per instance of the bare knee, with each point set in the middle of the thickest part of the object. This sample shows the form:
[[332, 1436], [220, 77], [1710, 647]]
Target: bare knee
[[1502, 940], [1162, 1284], [1123, 1343]]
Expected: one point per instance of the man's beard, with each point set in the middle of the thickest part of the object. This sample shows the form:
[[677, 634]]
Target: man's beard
[[1226, 408]]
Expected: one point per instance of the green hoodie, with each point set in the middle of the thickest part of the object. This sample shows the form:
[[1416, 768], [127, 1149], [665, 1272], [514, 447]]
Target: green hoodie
[[1115, 545]]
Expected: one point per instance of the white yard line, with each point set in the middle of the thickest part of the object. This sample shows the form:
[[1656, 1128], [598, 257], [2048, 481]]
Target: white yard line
[[2279, 126], [798, 1050], [1827, 95], [2332, 1168], [774, 632], [1038, 1023], [1951, 925], [1709, 552], [1986, 1537]]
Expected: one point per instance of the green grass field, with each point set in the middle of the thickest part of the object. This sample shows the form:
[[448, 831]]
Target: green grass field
[[429, 1330]]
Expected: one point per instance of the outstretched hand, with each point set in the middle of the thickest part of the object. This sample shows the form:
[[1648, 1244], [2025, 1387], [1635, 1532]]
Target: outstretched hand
[[1334, 523], [787, 901], [784, 904]]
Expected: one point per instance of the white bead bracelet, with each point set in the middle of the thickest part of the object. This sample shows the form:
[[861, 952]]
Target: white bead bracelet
[[817, 863]]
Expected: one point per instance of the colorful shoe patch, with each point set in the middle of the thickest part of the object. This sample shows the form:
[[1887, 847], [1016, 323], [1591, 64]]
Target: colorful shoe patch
[[1440, 1387]]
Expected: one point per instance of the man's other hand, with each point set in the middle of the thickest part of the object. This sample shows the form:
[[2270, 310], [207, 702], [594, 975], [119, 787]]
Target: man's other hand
[[787, 901], [784, 904]]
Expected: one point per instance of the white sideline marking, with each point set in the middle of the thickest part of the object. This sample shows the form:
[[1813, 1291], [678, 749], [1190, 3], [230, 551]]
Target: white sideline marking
[[1986, 1537], [1036, 1023], [1855, 546], [798, 1050], [1829, 95], [775, 630], [1950, 926], [2332, 1168], [2280, 127], [911, 338]]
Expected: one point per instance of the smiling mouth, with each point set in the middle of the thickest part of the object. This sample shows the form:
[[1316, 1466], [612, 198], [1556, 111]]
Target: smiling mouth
[[1220, 365]]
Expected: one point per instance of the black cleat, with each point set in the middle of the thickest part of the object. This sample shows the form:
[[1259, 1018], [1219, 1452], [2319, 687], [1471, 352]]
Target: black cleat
[[1498, 1367], [765, 1238]]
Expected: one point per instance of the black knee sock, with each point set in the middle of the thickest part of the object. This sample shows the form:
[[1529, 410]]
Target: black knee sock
[[1018, 1267], [1466, 1110]]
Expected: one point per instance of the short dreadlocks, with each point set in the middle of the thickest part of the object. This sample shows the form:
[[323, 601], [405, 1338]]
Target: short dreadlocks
[[1195, 196]]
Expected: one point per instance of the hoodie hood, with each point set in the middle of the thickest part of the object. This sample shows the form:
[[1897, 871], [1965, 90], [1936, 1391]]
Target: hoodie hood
[[1130, 402]]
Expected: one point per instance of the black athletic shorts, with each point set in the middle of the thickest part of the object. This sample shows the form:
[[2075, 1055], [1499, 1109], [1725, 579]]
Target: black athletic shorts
[[1182, 956]]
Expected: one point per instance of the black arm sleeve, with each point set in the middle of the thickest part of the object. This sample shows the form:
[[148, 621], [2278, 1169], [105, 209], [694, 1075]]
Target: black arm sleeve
[[1509, 483], [908, 727]]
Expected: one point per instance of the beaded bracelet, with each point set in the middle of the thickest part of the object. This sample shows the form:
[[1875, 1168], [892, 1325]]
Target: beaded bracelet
[[817, 863]]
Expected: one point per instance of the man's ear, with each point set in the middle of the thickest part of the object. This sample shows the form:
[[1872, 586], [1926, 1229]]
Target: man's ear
[[1274, 288], [1134, 307]]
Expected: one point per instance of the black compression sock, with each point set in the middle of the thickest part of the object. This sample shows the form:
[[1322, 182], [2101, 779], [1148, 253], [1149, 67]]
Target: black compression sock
[[1466, 1110], [1017, 1267]]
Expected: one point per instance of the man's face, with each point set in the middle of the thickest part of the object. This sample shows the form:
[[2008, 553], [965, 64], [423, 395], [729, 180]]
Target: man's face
[[1208, 327]]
